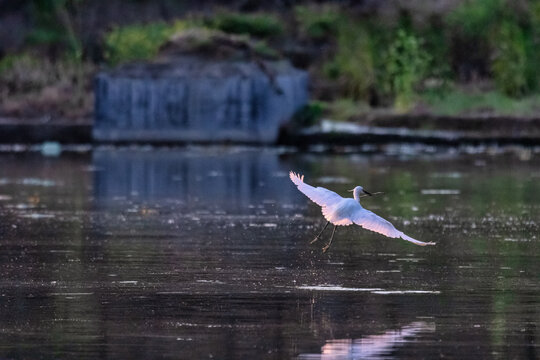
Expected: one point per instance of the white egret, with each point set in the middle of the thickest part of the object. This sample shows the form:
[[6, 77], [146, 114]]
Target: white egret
[[346, 211]]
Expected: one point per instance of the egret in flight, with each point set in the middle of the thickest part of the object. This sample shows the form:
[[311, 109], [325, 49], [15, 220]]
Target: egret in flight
[[346, 211]]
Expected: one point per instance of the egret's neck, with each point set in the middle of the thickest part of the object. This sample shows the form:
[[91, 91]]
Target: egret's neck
[[357, 195]]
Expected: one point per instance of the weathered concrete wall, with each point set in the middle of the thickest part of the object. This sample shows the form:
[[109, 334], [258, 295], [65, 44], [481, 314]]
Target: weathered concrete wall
[[197, 100]]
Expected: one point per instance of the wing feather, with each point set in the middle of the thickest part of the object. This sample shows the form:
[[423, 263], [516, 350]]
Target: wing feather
[[371, 221], [319, 195]]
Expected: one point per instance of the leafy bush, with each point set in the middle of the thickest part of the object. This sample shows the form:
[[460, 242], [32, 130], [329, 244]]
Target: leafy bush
[[405, 65], [475, 18], [309, 114], [261, 48], [352, 64], [317, 22], [435, 41], [7, 62], [471, 26], [259, 25], [54, 26], [138, 42], [499, 29], [510, 61], [532, 38]]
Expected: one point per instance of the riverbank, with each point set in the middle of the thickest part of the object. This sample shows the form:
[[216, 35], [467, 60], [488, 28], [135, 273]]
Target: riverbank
[[426, 129]]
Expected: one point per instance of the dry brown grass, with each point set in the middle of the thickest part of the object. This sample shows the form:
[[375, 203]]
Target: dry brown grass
[[34, 87]]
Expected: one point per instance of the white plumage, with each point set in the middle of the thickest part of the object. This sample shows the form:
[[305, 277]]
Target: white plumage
[[346, 211]]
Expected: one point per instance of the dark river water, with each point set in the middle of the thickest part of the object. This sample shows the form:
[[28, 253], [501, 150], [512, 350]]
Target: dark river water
[[204, 253]]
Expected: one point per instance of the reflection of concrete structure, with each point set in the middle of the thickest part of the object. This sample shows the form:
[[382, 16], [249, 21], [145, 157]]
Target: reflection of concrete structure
[[214, 178], [370, 347], [197, 100]]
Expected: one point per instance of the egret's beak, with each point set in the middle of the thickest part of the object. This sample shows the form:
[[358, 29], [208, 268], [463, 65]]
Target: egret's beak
[[367, 192], [350, 190]]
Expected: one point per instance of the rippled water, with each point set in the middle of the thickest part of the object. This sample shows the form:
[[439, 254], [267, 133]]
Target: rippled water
[[204, 253]]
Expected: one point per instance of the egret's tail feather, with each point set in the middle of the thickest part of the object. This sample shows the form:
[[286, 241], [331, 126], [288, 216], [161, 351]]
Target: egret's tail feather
[[414, 241]]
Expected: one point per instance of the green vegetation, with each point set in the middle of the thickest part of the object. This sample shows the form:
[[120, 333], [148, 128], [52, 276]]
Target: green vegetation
[[262, 48], [507, 38], [356, 59], [138, 42], [345, 109], [460, 102], [476, 18], [54, 25], [7, 62], [30, 83], [309, 115], [406, 64], [142, 42], [352, 64], [258, 25], [510, 62], [317, 21]]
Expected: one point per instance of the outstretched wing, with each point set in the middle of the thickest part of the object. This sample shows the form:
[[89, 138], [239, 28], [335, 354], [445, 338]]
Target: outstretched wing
[[371, 221], [319, 195]]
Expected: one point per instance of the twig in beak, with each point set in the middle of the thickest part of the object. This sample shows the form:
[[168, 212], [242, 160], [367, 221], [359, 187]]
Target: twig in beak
[[372, 194]]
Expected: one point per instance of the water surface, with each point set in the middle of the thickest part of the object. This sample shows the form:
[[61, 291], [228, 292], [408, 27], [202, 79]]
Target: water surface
[[204, 253]]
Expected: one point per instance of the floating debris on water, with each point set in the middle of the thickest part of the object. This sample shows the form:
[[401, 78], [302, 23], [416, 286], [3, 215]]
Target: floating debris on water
[[29, 182], [51, 148], [335, 288], [451, 175], [415, 260], [38, 216], [440, 192], [393, 292], [72, 294]]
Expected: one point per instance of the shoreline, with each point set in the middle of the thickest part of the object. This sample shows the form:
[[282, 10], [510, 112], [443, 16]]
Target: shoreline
[[435, 130]]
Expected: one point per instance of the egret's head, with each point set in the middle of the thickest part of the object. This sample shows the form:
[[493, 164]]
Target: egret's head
[[359, 191]]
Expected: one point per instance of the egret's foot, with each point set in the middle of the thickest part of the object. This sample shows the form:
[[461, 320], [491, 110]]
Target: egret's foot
[[324, 249], [312, 241]]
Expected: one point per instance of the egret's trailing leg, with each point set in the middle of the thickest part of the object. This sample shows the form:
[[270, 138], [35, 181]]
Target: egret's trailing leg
[[330, 242], [319, 236]]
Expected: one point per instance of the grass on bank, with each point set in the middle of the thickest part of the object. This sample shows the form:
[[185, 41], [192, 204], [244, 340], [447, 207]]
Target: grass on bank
[[457, 102], [317, 21], [257, 25], [33, 86], [363, 59], [453, 102], [138, 42], [142, 41]]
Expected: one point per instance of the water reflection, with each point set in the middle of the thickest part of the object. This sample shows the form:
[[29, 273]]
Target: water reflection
[[201, 253], [230, 179], [371, 347]]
